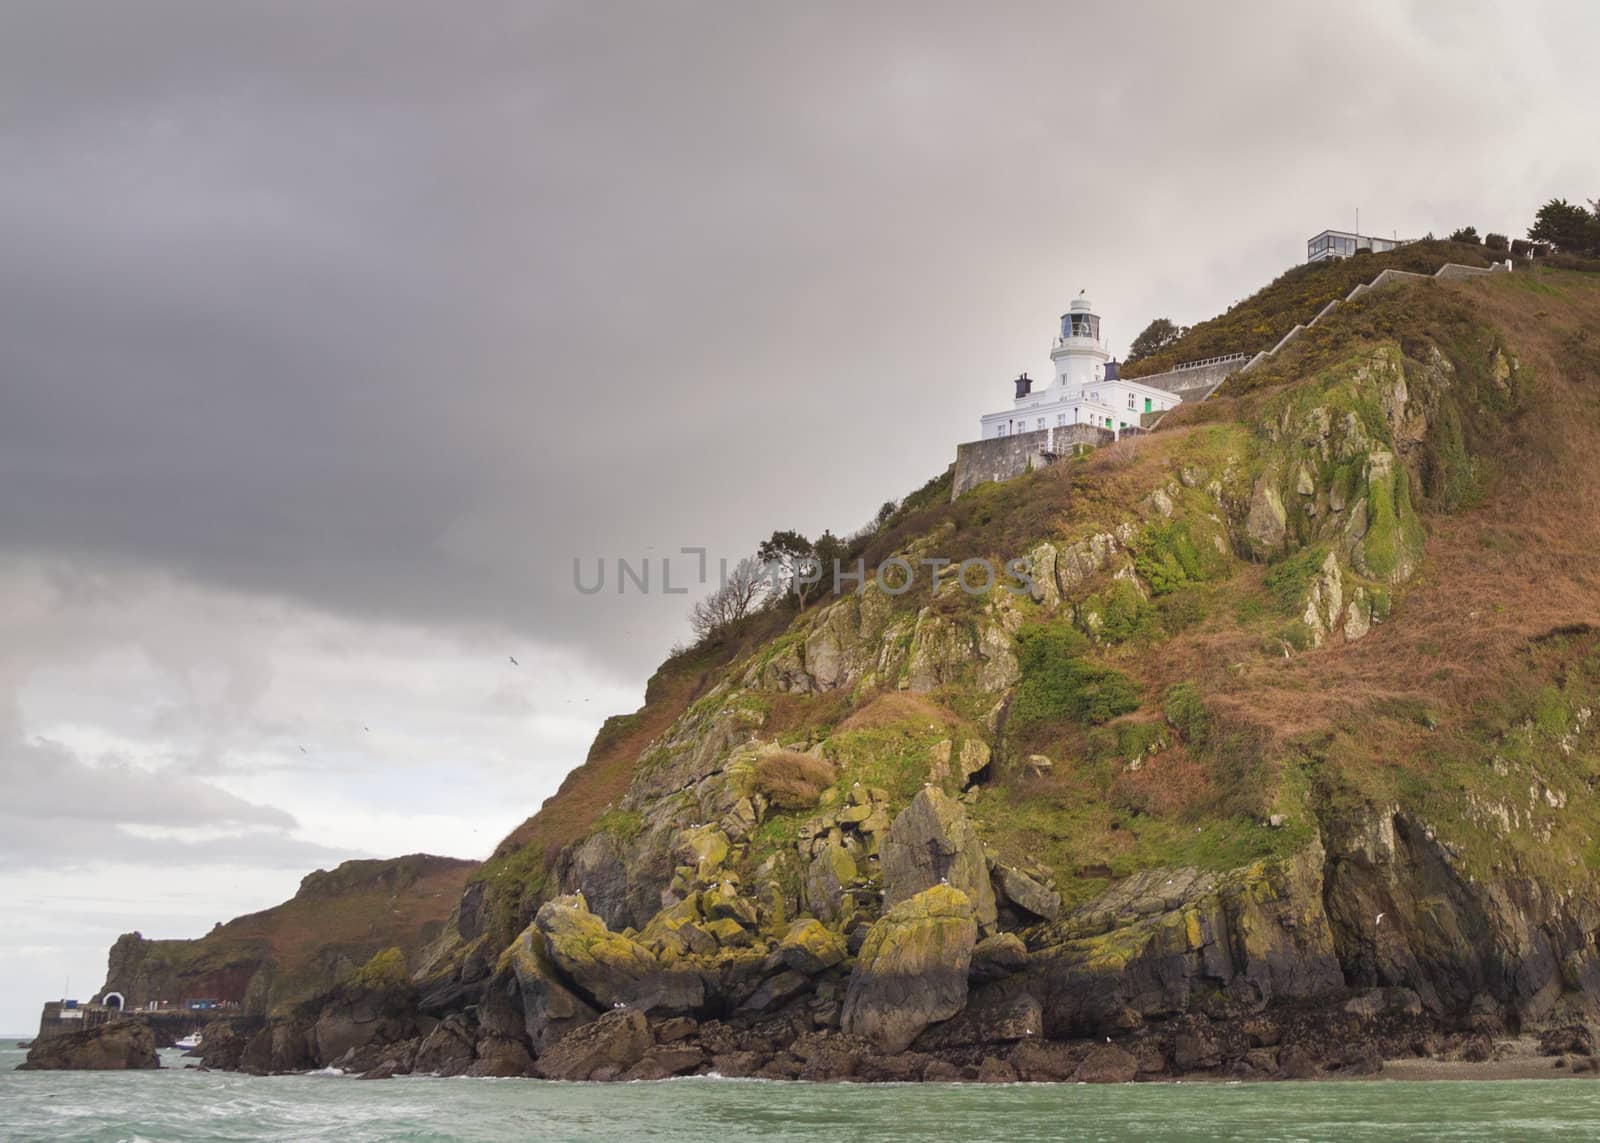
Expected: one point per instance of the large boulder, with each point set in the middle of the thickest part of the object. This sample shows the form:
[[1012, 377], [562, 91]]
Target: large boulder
[[1107, 1063], [115, 1046], [932, 843], [912, 970], [1026, 892], [609, 969], [448, 1050], [549, 1008], [602, 1050]]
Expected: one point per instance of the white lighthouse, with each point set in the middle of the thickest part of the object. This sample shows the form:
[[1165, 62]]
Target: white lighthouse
[[1078, 355], [1086, 389]]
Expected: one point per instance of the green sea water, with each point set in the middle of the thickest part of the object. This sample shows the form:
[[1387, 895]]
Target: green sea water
[[192, 1106]]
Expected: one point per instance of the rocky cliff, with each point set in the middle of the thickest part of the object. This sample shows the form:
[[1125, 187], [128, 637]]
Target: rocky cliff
[[267, 962], [1284, 763]]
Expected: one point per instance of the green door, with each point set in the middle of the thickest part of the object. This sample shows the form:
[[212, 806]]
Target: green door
[[1147, 404]]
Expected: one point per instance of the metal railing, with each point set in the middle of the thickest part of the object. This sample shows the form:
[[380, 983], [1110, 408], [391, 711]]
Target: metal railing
[[1207, 361]]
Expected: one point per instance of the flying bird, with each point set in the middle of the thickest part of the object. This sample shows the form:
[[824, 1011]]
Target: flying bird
[[1379, 920], [513, 659]]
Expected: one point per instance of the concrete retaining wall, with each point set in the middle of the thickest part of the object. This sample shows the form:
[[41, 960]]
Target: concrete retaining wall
[[1001, 458]]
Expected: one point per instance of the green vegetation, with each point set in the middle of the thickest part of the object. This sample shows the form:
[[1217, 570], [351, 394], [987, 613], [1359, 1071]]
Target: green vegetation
[[1155, 337], [1290, 578], [1060, 682], [1169, 558], [1261, 320], [384, 971], [1186, 711]]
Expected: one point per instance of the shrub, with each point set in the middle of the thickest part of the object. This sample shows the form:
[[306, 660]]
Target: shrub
[[1186, 711], [1124, 612], [386, 969], [1497, 242], [1058, 682], [1290, 578], [793, 781], [1467, 234], [1168, 558]]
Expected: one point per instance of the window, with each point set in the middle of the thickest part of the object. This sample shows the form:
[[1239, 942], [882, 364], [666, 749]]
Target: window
[[1061, 419], [1130, 400], [1041, 424]]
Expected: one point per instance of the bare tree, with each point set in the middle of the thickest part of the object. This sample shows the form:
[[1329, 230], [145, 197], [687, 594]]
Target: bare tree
[[737, 597]]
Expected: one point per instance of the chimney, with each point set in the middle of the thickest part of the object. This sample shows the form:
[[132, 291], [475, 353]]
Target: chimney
[[1113, 370], [1024, 386]]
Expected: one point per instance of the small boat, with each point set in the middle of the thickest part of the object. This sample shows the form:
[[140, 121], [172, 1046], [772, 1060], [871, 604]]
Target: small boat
[[188, 1043]]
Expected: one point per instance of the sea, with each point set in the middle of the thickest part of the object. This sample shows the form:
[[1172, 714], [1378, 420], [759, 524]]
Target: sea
[[180, 1103]]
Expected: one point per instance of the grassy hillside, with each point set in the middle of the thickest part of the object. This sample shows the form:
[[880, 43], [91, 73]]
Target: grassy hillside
[[1295, 296]]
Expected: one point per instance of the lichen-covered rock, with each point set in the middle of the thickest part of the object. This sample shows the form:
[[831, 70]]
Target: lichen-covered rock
[[930, 843], [1390, 547], [1267, 524], [118, 1045], [1150, 944], [912, 970], [810, 947], [549, 1007], [609, 968], [831, 871]]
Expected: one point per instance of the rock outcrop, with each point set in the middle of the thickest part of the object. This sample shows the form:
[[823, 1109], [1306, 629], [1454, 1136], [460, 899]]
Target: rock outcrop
[[912, 970], [117, 1045], [931, 843]]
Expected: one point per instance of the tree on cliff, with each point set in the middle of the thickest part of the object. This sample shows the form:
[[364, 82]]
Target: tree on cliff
[[1467, 234], [794, 563], [736, 598], [1158, 335], [1568, 227]]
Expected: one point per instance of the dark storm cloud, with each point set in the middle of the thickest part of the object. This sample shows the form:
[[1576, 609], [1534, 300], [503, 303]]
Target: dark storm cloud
[[396, 308]]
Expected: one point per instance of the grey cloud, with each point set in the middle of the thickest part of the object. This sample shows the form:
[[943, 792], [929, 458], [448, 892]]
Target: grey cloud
[[396, 311]]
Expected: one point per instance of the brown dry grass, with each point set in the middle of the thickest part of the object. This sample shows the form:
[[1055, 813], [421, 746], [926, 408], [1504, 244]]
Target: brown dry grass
[[1497, 576], [893, 708], [793, 781]]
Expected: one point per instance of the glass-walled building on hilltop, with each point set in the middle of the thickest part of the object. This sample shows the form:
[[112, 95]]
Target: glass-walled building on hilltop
[[1343, 243]]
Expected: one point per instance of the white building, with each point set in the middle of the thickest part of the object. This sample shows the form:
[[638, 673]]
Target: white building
[[1086, 388], [1344, 243]]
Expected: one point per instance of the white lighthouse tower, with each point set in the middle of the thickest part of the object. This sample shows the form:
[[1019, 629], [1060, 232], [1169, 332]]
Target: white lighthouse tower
[[1079, 355], [1087, 388]]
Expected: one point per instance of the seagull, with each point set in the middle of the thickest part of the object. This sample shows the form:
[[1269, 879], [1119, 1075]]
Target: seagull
[[1379, 920], [513, 659], [302, 750]]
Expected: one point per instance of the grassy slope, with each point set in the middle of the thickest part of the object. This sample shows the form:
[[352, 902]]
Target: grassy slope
[[1261, 320]]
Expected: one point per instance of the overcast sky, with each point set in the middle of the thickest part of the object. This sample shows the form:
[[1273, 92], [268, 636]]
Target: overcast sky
[[332, 332]]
